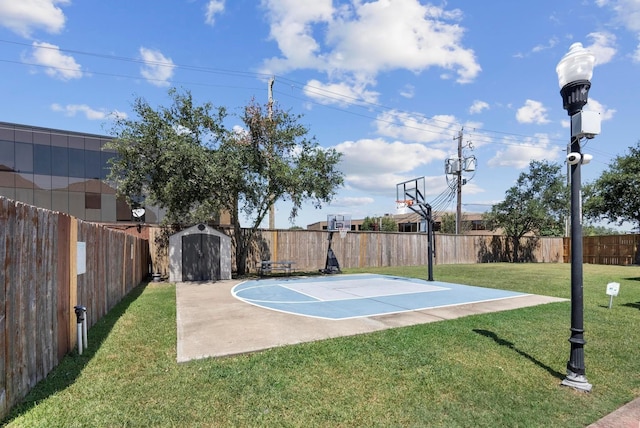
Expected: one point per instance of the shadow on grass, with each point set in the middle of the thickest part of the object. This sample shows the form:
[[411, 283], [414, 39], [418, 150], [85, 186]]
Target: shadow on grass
[[632, 305], [300, 273], [71, 366], [502, 342]]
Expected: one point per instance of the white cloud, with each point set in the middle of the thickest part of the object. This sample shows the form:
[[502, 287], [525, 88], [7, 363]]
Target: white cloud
[[350, 201], [346, 42], [376, 166], [25, 16], [519, 154], [602, 47], [627, 13], [377, 156], [291, 28], [416, 37], [532, 112], [157, 69], [478, 106], [550, 44], [72, 109], [57, 64], [605, 113], [408, 91], [415, 128], [343, 93], [116, 114], [213, 8]]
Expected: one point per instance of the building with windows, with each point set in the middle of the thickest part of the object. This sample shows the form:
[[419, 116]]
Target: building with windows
[[472, 223], [62, 171]]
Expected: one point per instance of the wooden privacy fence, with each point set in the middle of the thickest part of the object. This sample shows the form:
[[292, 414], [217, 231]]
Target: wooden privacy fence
[[308, 249], [619, 250], [42, 255]]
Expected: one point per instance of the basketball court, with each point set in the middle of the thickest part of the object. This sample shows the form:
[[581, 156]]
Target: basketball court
[[363, 295]]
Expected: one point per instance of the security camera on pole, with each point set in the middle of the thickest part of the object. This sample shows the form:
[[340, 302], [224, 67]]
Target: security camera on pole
[[575, 70]]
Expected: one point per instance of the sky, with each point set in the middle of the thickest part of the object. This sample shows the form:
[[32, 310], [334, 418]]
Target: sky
[[390, 84]]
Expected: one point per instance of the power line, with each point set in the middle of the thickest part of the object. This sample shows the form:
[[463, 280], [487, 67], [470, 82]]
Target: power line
[[436, 126]]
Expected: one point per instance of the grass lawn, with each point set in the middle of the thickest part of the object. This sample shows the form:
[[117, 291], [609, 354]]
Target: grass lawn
[[492, 370]]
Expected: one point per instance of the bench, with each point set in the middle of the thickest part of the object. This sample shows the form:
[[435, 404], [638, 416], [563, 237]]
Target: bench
[[269, 266]]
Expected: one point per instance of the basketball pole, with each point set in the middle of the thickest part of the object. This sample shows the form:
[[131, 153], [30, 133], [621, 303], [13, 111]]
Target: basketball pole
[[431, 243], [411, 194]]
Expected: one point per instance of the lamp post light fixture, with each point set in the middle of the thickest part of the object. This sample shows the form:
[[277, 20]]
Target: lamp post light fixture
[[575, 70]]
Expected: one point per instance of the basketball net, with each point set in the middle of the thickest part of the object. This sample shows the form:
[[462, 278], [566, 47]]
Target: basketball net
[[343, 232], [402, 207]]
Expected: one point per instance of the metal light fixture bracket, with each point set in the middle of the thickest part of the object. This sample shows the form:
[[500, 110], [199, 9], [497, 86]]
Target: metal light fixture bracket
[[575, 95]]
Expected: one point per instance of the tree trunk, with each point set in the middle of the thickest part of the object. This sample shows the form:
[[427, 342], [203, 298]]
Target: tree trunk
[[516, 249], [241, 250]]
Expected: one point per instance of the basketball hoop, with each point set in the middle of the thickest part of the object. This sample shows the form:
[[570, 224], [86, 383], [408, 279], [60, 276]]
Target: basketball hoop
[[402, 207], [343, 232]]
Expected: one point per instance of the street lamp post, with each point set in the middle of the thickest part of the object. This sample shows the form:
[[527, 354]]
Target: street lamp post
[[575, 70]]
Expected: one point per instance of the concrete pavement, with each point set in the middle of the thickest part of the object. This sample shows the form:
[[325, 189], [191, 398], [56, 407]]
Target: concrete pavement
[[213, 323]]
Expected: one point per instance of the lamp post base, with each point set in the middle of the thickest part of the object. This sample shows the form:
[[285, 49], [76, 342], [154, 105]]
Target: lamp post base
[[577, 382]]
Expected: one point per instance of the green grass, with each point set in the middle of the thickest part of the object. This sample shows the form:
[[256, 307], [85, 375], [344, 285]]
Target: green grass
[[498, 369]]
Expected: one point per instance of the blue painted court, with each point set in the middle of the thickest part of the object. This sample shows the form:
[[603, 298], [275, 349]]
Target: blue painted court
[[361, 295]]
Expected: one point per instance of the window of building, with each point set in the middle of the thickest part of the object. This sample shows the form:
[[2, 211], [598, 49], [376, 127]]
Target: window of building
[[92, 201], [41, 159], [60, 161], [7, 160], [92, 165], [24, 158], [76, 163], [477, 225], [123, 211]]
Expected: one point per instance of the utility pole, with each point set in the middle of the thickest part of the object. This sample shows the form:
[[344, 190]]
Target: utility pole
[[459, 185], [462, 168], [272, 207]]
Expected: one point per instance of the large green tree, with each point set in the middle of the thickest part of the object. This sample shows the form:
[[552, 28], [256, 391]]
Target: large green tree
[[381, 224], [537, 203], [184, 159], [272, 158], [165, 158], [448, 224], [614, 195]]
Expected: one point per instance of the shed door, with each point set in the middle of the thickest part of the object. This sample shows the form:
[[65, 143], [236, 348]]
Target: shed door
[[200, 257]]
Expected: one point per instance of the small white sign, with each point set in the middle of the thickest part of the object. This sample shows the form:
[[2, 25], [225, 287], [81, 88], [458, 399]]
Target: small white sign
[[613, 288], [81, 257]]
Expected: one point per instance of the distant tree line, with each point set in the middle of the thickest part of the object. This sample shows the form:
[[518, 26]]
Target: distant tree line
[[539, 202]]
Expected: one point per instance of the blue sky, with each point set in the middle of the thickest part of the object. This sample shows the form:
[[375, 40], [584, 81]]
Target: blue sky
[[388, 83]]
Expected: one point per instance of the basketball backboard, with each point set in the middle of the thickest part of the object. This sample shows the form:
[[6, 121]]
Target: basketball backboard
[[335, 222], [411, 192]]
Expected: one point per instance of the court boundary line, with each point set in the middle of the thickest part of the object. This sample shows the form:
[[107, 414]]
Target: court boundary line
[[265, 303], [320, 300], [235, 294], [356, 297], [427, 308]]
